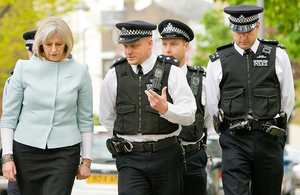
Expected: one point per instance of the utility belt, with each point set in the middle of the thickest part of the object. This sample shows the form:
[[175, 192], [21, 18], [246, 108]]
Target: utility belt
[[247, 124], [153, 146], [196, 146], [274, 126], [116, 145], [269, 126]]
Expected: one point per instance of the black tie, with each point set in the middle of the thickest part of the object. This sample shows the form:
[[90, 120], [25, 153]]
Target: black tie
[[247, 51], [139, 67]]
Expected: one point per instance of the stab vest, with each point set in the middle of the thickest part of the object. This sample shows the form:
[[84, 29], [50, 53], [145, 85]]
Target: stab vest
[[194, 132], [134, 113], [249, 84]]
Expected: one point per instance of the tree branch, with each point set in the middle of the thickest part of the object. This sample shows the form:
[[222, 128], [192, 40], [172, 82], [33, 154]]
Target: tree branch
[[6, 8]]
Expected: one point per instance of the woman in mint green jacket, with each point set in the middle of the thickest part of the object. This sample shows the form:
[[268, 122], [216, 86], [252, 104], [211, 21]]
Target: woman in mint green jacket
[[47, 114]]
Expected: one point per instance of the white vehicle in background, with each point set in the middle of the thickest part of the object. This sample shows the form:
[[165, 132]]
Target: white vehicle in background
[[294, 152], [104, 175]]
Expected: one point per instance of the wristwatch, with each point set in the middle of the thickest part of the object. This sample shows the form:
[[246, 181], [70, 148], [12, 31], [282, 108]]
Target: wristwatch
[[86, 164]]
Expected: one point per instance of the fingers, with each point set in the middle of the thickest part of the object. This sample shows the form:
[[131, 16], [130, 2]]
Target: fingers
[[151, 93], [9, 171], [163, 93], [13, 179], [83, 172], [157, 102]]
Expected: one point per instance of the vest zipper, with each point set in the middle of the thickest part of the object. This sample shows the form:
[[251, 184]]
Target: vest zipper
[[140, 105], [249, 85]]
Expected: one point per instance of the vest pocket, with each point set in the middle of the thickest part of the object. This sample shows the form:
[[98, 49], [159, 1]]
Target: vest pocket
[[233, 103], [153, 120], [125, 116], [265, 102]]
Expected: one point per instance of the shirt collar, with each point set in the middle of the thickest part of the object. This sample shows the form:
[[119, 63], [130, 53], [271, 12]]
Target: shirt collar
[[184, 68], [253, 48], [146, 65]]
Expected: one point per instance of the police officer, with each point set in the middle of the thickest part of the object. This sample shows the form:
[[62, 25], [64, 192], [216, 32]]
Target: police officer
[[143, 98], [12, 188], [29, 37], [251, 93], [175, 37]]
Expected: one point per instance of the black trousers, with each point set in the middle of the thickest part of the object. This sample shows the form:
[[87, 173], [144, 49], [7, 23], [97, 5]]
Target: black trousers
[[251, 156], [13, 188], [155, 173], [195, 176], [46, 171]]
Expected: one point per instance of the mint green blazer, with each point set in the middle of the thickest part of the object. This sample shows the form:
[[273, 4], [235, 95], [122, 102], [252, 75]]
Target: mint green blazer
[[49, 103]]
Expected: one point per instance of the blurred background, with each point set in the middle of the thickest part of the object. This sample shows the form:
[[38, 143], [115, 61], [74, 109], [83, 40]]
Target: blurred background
[[93, 25]]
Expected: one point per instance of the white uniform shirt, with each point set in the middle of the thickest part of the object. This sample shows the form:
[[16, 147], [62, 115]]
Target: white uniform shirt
[[207, 118], [182, 111], [283, 72]]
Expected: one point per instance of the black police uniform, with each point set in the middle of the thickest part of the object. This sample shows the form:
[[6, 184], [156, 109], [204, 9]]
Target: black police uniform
[[151, 122], [143, 119], [194, 174], [249, 100], [145, 166]]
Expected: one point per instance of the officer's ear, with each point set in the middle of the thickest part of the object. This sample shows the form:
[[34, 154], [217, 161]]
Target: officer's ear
[[149, 42], [186, 45], [258, 25]]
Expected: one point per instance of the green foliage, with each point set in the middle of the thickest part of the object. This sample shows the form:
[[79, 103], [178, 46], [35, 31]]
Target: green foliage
[[281, 22], [217, 34], [96, 120], [17, 17]]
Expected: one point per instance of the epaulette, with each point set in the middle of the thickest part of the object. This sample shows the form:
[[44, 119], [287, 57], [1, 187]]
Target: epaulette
[[169, 59], [272, 42], [224, 46], [118, 61], [214, 57], [281, 46], [195, 68]]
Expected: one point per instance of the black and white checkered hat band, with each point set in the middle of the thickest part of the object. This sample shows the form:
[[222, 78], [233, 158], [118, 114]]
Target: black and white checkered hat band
[[136, 32], [243, 20], [29, 44], [172, 29], [29, 41], [242, 28]]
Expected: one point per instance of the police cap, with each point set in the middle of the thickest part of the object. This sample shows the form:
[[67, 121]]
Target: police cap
[[29, 37], [175, 29], [134, 30], [243, 18]]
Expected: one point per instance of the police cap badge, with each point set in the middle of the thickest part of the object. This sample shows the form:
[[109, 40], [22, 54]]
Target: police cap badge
[[175, 29], [133, 31], [243, 18]]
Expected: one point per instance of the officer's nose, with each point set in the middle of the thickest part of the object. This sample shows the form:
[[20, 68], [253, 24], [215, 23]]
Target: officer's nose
[[243, 35], [168, 49], [128, 51]]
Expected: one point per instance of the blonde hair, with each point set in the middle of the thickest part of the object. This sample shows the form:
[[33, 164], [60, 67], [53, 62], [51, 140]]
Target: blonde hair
[[49, 27]]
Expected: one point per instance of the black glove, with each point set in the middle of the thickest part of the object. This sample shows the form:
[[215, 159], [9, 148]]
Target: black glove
[[282, 121], [218, 121]]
